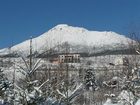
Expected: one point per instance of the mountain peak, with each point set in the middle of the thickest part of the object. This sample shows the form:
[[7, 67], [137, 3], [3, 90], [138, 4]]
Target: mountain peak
[[61, 25], [68, 28]]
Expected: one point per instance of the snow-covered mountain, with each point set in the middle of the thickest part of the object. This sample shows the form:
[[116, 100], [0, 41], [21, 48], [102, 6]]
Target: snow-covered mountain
[[80, 40]]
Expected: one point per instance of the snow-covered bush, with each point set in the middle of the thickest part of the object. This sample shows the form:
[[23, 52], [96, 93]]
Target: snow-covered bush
[[6, 88]]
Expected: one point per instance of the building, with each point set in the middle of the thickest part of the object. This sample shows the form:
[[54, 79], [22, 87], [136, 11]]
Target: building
[[66, 58], [69, 58]]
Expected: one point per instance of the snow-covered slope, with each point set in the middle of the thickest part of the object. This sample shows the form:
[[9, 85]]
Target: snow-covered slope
[[74, 36]]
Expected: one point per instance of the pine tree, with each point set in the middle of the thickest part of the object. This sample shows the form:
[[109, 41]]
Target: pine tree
[[29, 93], [90, 81]]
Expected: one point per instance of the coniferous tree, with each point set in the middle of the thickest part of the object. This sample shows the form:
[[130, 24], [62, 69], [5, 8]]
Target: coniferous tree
[[90, 81]]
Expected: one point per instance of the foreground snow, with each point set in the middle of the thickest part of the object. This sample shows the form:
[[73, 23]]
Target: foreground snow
[[108, 102], [138, 102], [125, 98]]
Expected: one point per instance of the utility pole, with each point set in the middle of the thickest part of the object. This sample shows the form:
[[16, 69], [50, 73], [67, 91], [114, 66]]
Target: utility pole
[[30, 53], [14, 78], [67, 74], [30, 60]]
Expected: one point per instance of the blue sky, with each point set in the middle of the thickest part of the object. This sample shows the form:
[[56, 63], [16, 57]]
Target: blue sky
[[20, 19]]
